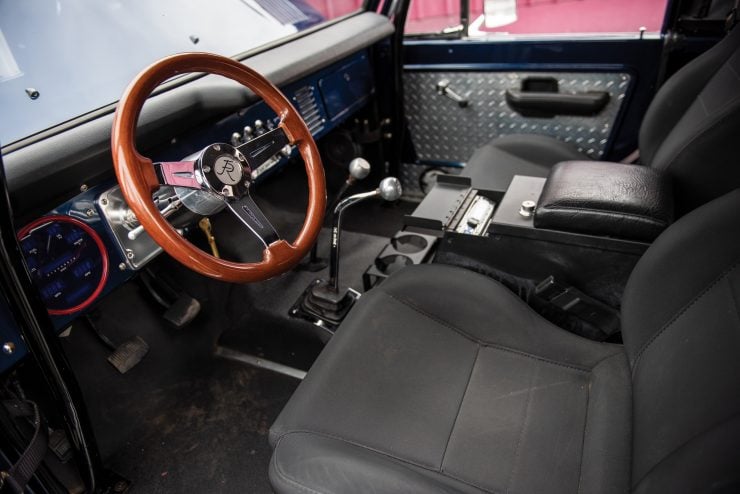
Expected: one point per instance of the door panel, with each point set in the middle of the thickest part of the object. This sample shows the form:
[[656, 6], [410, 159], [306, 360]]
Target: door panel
[[443, 131]]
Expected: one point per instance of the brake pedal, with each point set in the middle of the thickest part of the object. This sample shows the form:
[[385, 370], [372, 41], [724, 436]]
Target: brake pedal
[[129, 354], [182, 311], [181, 308]]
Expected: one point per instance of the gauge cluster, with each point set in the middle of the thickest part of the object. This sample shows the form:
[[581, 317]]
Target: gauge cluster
[[71, 258], [67, 261]]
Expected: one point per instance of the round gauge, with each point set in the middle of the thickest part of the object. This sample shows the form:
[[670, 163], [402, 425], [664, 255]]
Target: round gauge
[[67, 261]]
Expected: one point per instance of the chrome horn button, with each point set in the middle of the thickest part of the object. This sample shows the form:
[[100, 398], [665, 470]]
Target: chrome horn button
[[225, 171]]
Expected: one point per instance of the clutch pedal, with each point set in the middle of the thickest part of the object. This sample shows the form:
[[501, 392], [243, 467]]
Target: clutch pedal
[[128, 354]]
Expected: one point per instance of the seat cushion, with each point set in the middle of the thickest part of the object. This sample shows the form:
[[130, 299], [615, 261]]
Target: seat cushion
[[441, 380], [493, 166]]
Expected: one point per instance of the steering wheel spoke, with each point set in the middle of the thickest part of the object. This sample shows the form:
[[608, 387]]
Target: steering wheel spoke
[[264, 147], [252, 216], [177, 173]]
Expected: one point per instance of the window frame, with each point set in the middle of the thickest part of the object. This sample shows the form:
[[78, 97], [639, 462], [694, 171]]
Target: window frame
[[462, 31]]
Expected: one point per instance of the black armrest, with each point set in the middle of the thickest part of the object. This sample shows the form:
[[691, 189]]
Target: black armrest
[[610, 199]]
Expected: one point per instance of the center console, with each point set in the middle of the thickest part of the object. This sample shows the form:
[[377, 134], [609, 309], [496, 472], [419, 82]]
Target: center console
[[513, 243], [572, 239]]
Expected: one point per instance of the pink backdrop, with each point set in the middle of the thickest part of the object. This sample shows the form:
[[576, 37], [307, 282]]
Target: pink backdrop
[[534, 16]]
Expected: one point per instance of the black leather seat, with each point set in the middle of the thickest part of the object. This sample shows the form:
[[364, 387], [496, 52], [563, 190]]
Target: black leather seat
[[443, 381], [690, 130]]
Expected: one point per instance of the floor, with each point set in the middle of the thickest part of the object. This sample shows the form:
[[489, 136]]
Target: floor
[[181, 420]]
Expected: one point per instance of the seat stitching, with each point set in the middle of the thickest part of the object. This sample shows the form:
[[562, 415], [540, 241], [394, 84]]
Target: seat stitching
[[284, 476], [459, 407], [734, 72], [734, 298], [678, 315], [703, 106], [585, 429], [472, 338], [523, 429], [383, 453], [705, 129]]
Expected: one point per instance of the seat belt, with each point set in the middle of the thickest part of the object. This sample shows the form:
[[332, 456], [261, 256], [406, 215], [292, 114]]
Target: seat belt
[[17, 476], [631, 158]]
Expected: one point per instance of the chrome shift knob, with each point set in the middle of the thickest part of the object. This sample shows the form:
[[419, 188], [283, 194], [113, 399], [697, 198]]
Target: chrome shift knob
[[390, 189], [359, 168]]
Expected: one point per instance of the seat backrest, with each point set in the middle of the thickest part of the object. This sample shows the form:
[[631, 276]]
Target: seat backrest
[[691, 128], [681, 329]]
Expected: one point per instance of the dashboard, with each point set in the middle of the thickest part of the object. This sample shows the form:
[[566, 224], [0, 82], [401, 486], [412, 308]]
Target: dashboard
[[91, 243], [71, 251]]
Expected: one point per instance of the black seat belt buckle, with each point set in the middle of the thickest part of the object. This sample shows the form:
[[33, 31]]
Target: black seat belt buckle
[[574, 301], [551, 290]]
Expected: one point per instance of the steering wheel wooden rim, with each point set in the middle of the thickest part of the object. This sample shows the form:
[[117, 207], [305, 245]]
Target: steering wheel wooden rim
[[138, 180]]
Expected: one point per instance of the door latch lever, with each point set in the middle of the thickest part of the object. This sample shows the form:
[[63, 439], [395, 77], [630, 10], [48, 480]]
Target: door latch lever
[[443, 88]]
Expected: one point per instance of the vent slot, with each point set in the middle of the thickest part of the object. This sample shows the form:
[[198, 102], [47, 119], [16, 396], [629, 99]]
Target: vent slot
[[305, 99]]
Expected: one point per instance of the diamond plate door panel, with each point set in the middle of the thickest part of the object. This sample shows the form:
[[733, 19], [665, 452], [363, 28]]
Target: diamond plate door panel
[[442, 131]]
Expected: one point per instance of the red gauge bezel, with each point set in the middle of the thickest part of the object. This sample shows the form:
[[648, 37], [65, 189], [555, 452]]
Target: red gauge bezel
[[101, 247]]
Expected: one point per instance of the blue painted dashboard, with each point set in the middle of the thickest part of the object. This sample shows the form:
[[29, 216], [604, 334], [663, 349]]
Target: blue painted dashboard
[[10, 339], [325, 99]]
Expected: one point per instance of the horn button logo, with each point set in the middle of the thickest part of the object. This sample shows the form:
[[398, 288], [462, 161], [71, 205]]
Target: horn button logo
[[228, 169]]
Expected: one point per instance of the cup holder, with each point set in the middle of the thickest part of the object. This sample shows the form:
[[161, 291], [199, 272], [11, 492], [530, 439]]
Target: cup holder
[[392, 263], [409, 244], [403, 249]]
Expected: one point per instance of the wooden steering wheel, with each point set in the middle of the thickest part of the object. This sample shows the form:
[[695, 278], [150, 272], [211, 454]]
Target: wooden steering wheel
[[221, 170]]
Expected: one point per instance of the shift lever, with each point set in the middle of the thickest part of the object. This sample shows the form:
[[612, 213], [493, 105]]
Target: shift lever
[[389, 190], [322, 300], [359, 168]]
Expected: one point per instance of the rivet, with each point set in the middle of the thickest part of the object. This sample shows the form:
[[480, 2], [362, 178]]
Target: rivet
[[8, 348]]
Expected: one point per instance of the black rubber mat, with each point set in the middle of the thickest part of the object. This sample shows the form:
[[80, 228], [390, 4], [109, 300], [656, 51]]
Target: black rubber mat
[[181, 420], [206, 434]]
